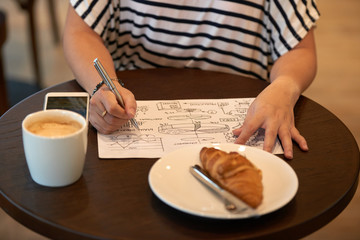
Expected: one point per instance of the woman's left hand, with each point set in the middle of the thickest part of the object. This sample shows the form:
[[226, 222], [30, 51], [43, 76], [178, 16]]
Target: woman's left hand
[[273, 111]]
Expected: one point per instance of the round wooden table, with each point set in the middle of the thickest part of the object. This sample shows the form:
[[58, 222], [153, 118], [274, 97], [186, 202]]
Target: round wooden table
[[113, 200]]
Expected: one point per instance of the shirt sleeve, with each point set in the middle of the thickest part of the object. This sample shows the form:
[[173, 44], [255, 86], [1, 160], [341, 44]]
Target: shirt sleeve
[[95, 13], [288, 23]]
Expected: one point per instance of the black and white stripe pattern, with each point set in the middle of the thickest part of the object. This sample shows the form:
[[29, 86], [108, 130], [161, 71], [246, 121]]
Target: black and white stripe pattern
[[235, 36]]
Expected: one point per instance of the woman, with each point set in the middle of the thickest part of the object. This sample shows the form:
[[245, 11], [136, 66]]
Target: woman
[[266, 39]]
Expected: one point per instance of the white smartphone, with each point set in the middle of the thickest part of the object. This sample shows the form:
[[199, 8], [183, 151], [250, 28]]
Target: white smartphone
[[73, 101]]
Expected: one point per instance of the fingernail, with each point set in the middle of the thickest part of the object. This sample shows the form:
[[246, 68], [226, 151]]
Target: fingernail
[[306, 147]]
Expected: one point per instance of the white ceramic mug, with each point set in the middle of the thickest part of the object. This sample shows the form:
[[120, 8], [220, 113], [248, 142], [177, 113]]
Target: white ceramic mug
[[56, 160]]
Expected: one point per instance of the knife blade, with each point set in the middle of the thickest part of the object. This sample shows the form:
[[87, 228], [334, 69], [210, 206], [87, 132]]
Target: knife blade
[[232, 203]]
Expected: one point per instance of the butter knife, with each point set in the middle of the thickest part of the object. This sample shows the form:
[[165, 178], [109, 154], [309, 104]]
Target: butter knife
[[232, 203]]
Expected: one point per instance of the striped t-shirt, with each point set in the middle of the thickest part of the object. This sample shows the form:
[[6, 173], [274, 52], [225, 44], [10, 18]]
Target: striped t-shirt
[[234, 36]]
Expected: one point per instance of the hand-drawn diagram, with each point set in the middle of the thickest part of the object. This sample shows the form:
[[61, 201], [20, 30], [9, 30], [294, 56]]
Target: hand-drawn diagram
[[195, 128], [134, 141], [170, 124]]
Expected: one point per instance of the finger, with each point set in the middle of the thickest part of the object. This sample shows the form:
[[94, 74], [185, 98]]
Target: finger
[[299, 139], [271, 132], [95, 105], [130, 103], [100, 117], [97, 109], [286, 141], [98, 122], [111, 123], [109, 101], [237, 131], [246, 131], [107, 124]]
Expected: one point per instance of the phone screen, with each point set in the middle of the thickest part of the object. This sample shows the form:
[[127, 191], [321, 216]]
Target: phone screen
[[73, 103]]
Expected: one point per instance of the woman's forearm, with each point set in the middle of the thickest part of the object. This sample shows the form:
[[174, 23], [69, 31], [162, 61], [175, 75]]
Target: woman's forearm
[[295, 70], [81, 46]]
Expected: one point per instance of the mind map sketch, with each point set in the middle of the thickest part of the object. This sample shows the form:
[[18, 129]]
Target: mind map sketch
[[166, 125]]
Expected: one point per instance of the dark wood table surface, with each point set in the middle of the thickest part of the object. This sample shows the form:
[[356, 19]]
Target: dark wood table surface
[[113, 200]]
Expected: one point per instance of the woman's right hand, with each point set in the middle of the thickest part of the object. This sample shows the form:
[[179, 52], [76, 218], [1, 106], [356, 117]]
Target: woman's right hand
[[115, 116]]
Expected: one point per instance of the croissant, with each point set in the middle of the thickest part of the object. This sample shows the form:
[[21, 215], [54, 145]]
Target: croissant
[[234, 173]]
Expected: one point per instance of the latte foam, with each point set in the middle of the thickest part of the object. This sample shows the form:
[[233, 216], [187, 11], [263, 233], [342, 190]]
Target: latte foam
[[54, 128]]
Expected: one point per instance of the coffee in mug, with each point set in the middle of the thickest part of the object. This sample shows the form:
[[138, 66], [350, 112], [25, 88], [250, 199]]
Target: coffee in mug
[[55, 144], [54, 127]]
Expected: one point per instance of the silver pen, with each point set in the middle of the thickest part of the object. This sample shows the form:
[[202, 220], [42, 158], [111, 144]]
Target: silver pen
[[105, 76]]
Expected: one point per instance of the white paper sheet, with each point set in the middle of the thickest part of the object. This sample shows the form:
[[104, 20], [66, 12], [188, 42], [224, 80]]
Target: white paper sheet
[[166, 125]]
